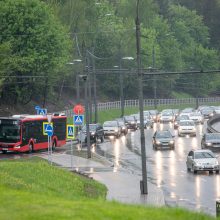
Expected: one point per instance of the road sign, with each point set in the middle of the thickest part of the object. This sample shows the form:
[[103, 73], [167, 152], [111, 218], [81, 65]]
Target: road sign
[[47, 129], [78, 109], [37, 107], [70, 132], [78, 119], [42, 111]]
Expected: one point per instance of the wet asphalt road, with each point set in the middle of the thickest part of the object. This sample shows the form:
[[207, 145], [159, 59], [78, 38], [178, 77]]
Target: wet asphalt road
[[167, 168]]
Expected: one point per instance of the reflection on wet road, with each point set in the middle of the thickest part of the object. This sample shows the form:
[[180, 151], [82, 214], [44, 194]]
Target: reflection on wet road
[[167, 168]]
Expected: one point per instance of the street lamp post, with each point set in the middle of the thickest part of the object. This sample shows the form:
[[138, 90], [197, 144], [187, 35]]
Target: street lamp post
[[121, 80], [154, 78], [143, 183]]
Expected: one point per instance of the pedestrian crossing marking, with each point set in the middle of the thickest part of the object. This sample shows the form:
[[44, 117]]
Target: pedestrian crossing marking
[[70, 132], [78, 119]]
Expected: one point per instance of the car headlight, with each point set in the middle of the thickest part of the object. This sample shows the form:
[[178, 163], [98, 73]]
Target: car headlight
[[209, 144], [171, 142], [216, 163], [123, 127], [116, 130], [157, 142], [92, 133]]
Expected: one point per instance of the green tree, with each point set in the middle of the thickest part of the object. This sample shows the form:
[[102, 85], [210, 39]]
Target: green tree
[[39, 46]]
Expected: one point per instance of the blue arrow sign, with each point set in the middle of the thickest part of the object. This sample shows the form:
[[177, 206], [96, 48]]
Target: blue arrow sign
[[70, 132], [78, 119], [37, 107], [49, 129]]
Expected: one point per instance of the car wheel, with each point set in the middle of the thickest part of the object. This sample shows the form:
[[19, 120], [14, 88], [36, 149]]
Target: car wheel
[[4, 151], [31, 148], [193, 170], [217, 171], [210, 172], [102, 139]]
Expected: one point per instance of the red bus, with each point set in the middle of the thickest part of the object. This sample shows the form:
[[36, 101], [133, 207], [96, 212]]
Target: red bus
[[24, 133]]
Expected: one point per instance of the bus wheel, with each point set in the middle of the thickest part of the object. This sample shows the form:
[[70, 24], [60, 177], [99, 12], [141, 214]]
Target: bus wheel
[[4, 151], [31, 148], [54, 145]]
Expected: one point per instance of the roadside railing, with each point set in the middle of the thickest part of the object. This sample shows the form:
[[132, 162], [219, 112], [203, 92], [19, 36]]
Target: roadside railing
[[149, 102]]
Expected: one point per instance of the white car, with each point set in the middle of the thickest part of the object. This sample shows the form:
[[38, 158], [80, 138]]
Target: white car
[[187, 127], [166, 117], [112, 128], [197, 117], [203, 160]]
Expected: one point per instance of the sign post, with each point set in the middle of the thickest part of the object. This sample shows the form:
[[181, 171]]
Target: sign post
[[78, 119], [70, 135], [48, 130]]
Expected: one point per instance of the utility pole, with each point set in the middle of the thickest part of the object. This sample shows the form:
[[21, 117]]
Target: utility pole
[[89, 88], [154, 78], [94, 90], [85, 78], [77, 88], [143, 183], [121, 83]]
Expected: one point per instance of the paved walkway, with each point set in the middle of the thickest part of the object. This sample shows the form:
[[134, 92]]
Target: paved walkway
[[122, 186]]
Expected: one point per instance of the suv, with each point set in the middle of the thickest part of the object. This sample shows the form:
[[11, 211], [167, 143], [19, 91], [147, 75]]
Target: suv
[[96, 133]]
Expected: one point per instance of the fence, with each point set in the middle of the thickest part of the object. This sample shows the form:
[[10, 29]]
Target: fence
[[150, 102]]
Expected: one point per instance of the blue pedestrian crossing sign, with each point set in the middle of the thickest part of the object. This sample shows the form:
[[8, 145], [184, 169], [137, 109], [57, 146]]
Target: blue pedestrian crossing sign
[[78, 119], [47, 129], [70, 132], [42, 111]]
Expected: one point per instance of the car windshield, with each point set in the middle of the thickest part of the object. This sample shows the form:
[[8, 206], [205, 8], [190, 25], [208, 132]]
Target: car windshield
[[121, 123], [212, 136], [183, 117], [195, 114], [129, 118], [167, 114], [186, 123], [163, 135], [9, 133], [110, 124], [203, 155]]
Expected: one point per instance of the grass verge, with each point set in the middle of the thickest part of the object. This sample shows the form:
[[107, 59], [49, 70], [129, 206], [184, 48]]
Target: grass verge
[[32, 189]]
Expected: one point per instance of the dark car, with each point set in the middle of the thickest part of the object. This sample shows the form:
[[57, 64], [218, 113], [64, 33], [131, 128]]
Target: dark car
[[96, 133], [207, 112], [130, 122], [163, 139], [211, 140], [124, 129]]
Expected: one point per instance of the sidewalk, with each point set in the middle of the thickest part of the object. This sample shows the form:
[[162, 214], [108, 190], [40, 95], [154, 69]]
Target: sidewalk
[[122, 186]]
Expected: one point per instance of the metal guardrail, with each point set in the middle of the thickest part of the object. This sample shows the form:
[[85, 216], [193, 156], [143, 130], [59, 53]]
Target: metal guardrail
[[212, 121], [149, 102]]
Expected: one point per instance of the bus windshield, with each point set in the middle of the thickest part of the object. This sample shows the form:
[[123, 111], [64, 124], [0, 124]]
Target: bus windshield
[[9, 133]]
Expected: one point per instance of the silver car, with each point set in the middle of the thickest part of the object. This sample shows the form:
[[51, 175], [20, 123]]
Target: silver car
[[203, 160]]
